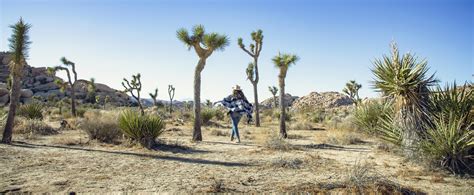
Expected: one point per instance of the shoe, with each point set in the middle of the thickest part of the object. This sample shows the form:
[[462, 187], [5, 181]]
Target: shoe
[[231, 138]]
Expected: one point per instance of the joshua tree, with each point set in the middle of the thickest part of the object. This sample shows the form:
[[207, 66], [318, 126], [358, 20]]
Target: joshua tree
[[154, 96], [352, 90], [283, 62], [91, 91], [404, 79], [171, 94], [209, 103], [252, 68], [134, 85], [19, 45], [72, 84], [274, 91], [106, 100], [204, 44]]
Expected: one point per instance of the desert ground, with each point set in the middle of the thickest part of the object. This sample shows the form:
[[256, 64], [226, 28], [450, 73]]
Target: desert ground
[[319, 159]]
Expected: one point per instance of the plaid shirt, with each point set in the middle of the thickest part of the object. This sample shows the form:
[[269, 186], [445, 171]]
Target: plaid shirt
[[241, 106]]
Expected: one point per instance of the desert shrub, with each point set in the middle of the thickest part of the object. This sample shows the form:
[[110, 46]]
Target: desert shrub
[[103, 129], [217, 132], [33, 127], [361, 175], [31, 111], [290, 163], [317, 116], [343, 138], [275, 142], [81, 111], [141, 128], [206, 115], [220, 114], [301, 125], [288, 115], [368, 116]]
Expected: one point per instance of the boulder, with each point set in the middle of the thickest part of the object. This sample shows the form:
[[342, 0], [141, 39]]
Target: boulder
[[45, 87], [26, 93], [269, 103], [4, 99], [3, 85]]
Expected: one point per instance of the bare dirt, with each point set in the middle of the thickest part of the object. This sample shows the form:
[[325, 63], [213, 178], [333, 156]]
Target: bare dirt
[[69, 162]]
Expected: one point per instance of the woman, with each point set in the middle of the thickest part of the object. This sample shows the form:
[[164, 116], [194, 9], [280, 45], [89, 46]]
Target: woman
[[238, 105]]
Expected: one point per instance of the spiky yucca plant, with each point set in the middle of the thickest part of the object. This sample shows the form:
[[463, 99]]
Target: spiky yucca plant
[[19, 46], [452, 99], [405, 79], [368, 116], [31, 111], [204, 44], [141, 128]]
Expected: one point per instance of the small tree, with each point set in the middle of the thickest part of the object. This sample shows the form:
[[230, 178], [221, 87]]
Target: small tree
[[154, 96], [252, 68], [274, 91], [171, 94], [134, 85], [72, 83], [91, 91], [19, 45], [283, 62], [352, 90], [204, 44]]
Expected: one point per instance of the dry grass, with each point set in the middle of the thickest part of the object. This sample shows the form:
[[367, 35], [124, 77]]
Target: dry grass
[[31, 128], [301, 125], [343, 138], [217, 132], [289, 163], [277, 143]]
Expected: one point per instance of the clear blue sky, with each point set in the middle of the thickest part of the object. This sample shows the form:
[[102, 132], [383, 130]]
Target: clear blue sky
[[336, 40]]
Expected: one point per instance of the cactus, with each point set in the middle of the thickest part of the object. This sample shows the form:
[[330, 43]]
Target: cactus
[[252, 68], [171, 94], [134, 85], [204, 44], [71, 81], [154, 96], [274, 91]]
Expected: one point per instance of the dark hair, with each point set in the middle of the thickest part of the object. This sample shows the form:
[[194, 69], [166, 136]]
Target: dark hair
[[238, 94]]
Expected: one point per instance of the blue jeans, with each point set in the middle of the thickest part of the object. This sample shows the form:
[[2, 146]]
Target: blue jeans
[[235, 117]]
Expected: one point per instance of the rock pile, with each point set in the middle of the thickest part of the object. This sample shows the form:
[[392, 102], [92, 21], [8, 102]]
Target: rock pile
[[268, 103], [324, 100], [38, 83]]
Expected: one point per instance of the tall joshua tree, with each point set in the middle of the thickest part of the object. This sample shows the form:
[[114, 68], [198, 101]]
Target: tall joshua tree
[[171, 94], [154, 96], [204, 45], [283, 62], [274, 91], [405, 79], [252, 68], [19, 45], [134, 85], [72, 81], [352, 90]]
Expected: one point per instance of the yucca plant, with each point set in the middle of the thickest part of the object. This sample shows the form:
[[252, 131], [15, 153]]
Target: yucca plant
[[405, 79], [141, 128], [454, 100], [368, 116], [449, 142], [389, 130], [31, 111]]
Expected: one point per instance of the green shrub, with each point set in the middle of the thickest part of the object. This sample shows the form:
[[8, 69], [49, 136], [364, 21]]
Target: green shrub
[[288, 115], [102, 129], [368, 116], [206, 115], [80, 112], [141, 128], [31, 111], [317, 116]]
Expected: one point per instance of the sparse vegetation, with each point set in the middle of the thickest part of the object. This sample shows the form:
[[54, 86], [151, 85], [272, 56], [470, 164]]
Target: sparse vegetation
[[102, 128], [71, 81], [31, 111], [34, 127], [134, 87]]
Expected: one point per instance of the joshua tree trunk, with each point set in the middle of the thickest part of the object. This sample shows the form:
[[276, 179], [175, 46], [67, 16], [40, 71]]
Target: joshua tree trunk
[[73, 100], [257, 114], [282, 108], [14, 99], [197, 136]]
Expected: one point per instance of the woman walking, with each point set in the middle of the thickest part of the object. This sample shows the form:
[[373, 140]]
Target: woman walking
[[237, 105]]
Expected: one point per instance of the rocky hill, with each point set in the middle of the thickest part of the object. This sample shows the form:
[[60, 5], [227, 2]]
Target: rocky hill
[[37, 82], [269, 103], [324, 100]]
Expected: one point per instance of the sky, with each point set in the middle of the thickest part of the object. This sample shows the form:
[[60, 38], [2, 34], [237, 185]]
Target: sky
[[336, 40]]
